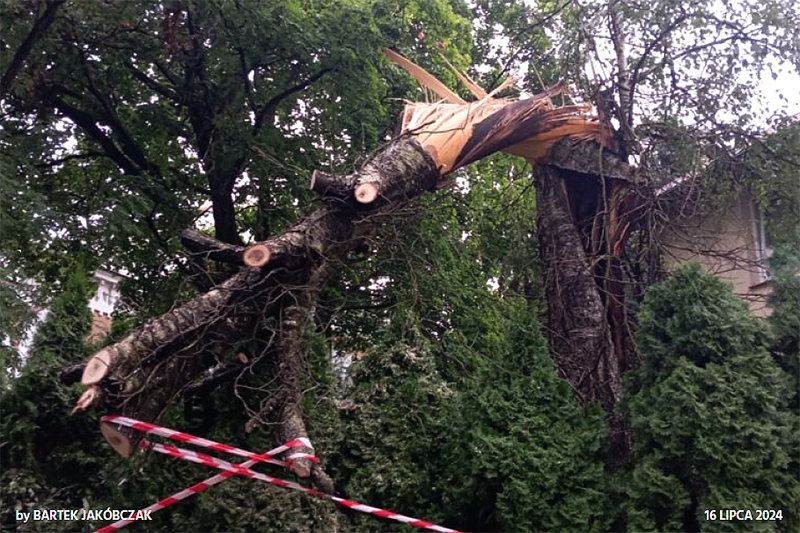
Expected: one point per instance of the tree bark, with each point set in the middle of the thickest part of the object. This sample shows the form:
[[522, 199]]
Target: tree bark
[[291, 365], [24, 51], [584, 217], [208, 248], [153, 364], [625, 108]]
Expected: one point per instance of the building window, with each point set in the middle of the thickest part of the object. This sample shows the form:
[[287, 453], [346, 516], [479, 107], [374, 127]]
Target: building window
[[763, 246]]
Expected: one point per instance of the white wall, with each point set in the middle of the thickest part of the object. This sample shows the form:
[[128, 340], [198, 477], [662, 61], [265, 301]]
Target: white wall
[[107, 295]]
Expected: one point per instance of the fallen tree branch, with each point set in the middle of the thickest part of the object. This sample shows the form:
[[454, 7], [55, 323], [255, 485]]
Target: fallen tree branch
[[279, 286], [215, 378], [144, 345]]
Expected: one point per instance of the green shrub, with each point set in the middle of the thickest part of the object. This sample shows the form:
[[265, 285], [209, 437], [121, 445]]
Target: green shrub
[[708, 408]]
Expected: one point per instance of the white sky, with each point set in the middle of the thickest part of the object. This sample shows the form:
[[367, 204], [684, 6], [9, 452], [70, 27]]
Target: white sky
[[786, 84]]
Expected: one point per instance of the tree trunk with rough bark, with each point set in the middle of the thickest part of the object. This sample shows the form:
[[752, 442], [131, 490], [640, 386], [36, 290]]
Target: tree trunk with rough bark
[[586, 204]]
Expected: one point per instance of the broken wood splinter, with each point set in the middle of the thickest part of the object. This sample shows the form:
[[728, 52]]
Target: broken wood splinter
[[86, 400]]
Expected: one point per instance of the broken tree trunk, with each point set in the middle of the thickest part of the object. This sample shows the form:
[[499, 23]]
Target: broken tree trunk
[[277, 287], [586, 207]]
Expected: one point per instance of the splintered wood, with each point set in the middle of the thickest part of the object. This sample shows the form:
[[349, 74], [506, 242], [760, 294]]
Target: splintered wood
[[455, 132]]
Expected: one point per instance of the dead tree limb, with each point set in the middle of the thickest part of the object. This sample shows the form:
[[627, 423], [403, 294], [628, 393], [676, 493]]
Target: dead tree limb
[[141, 373], [145, 345]]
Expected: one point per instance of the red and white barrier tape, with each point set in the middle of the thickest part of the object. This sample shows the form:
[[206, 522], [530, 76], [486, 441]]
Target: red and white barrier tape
[[203, 459], [230, 469], [267, 457], [178, 496], [167, 433]]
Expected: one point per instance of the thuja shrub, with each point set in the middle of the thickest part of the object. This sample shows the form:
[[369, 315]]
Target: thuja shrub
[[709, 410], [528, 456], [396, 420], [44, 454], [785, 318]]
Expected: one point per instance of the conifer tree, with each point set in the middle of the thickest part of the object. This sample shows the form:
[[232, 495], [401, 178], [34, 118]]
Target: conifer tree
[[708, 407], [396, 425], [528, 457], [42, 450], [785, 303]]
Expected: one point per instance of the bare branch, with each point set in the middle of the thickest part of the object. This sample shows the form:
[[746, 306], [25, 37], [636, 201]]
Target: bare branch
[[89, 124], [210, 248], [161, 89], [272, 104]]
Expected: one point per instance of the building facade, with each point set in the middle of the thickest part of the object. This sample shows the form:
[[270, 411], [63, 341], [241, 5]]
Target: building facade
[[730, 241], [103, 303]]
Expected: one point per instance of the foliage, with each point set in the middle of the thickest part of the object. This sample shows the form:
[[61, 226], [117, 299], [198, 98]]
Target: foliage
[[527, 456], [16, 316], [773, 163], [708, 408], [42, 447], [128, 124], [509, 449], [785, 303], [695, 83], [398, 418], [123, 128]]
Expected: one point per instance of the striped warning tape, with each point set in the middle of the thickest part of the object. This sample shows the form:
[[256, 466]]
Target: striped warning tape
[[178, 496], [203, 459], [167, 433], [230, 469], [266, 457]]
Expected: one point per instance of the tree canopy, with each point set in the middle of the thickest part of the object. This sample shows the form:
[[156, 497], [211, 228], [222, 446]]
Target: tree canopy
[[425, 355]]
